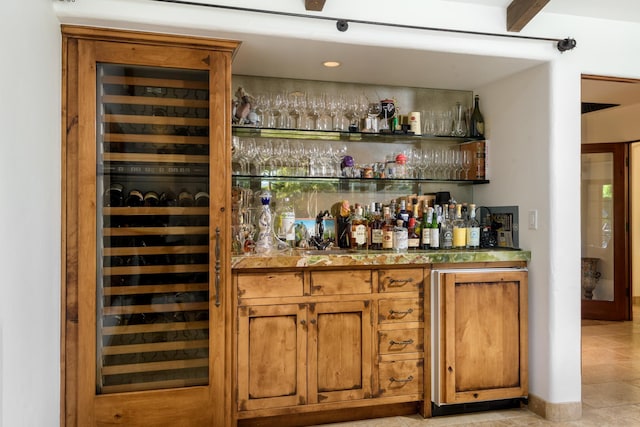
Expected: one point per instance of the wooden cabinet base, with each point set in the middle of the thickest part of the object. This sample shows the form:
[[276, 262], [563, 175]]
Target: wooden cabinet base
[[370, 411]]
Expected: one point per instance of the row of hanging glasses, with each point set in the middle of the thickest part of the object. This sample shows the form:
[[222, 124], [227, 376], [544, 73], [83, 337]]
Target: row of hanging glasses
[[282, 157], [308, 111]]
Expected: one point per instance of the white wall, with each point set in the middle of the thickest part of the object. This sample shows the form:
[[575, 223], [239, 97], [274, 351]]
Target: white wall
[[30, 215], [548, 152]]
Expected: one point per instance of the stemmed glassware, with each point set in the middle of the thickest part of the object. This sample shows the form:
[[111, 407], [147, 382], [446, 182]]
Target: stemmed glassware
[[466, 163], [356, 110], [296, 110], [264, 151]]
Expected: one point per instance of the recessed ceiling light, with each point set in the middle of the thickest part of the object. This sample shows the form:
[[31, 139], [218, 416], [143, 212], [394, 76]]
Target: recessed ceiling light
[[331, 64]]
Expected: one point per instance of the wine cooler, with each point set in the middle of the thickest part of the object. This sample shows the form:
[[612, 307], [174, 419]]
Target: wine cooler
[[153, 228]]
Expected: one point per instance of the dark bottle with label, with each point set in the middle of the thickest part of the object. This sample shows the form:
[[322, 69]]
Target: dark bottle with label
[[476, 125], [377, 232]]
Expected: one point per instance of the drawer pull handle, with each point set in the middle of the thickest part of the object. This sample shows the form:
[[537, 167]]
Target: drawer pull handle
[[394, 313], [398, 380], [405, 342], [400, 282]]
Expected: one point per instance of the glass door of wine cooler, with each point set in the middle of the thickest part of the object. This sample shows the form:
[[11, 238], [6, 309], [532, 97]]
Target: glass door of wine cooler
[[153, 228], [147, 229]]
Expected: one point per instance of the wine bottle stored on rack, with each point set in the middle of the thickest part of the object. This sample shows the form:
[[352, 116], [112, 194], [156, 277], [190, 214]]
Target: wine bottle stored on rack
[[168, 198], [185, 199], [114, 195], [202, 199], [134, 198], [151, 198]]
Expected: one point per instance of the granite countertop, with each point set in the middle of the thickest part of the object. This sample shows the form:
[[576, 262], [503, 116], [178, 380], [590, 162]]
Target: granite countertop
[[313, 258]]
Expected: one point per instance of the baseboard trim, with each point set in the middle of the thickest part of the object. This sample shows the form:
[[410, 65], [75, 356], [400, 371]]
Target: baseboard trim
[[556, 412]]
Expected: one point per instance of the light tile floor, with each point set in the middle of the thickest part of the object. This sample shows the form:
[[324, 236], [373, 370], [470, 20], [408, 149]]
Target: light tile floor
[[610, 387]]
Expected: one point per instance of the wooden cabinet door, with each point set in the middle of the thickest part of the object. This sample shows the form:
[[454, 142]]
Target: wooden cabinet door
[[340, 349], [146, 290], [272, 343], [485, 336]]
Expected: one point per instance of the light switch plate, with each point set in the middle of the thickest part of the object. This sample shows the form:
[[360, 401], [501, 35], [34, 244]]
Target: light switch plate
[[533, 219]]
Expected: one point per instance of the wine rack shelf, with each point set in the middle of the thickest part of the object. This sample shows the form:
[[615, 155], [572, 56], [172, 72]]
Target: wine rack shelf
[[153, 290]]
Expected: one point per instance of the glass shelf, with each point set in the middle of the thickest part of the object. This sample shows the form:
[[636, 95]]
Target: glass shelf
[[252, 131], [344, 180]]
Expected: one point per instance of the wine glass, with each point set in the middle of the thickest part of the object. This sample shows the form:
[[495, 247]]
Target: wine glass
[[299, 162], [466, 163], [295, 110], [263, 154]]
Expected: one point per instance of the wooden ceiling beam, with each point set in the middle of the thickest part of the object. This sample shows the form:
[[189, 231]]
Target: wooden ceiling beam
[[315, 5], [521, 12]]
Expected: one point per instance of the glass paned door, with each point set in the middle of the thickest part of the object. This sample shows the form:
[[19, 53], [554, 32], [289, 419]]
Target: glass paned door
[[153, 228], [597, 226], [604, 276]]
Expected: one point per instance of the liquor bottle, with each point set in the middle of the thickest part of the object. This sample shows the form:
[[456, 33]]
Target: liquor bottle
[[476, 127], [358, 235], [400, 237], [416, 208], [446, 227], [286, 221], [134, 198], [403, 214], [387, 230], [393, 209], [459, 229], [415, 205], [376, 227], [427, 218], [264, 243], [473, 229], [413, 238], [342, 225], [434, 239]]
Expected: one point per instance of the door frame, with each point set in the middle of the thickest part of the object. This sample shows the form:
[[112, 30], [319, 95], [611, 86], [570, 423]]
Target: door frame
[[620, 307]]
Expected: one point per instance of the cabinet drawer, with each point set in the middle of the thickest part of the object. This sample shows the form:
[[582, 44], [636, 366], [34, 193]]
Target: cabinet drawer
[[265, 285], [342, 282], [400, 377], [400, 310], [402, 280], [399, 341]]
